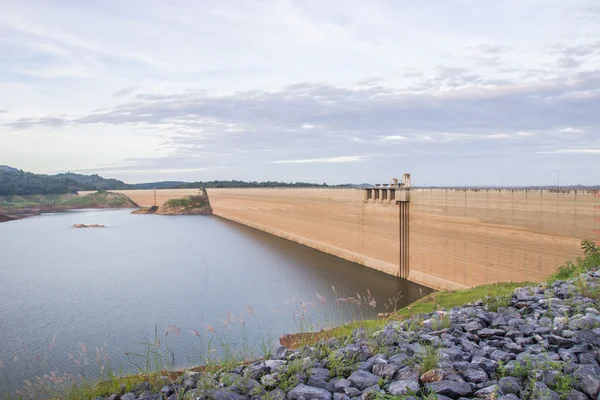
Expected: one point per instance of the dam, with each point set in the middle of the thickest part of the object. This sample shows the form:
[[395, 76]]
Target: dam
[[443, 238]]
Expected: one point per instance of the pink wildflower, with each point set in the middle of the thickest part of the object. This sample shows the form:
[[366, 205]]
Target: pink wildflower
[[195, 332], [321, 298], [172, 329], [250, 311], [210, 329]]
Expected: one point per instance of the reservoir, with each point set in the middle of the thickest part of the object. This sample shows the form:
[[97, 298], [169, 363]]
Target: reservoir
[[83, 301]]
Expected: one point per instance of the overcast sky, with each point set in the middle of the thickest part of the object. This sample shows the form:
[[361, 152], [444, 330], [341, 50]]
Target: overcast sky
[[453, 91]]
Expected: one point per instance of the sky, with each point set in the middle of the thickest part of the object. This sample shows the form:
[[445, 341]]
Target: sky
[[455, 92]]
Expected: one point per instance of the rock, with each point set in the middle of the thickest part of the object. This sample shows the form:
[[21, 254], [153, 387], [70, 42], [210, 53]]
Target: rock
[[487, 333], [320, 373], [402, 388], [406, 374], [385, 370], [363, 379], [503, 356], [225, 394], [588, 380], [560, 341], [340, 396], [351, 391], [542, 392], [128, 396], [509, 385], [488, 393], [270, 380], [277, 394], [275, 365], [341, 384], [433, 375], [450, 388], [575, 395], [475, 374], [280, 353], [508, 397], [308, 393], [258, 369]]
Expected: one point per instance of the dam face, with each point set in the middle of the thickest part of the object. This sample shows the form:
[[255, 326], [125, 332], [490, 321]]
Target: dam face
[[442, 238]]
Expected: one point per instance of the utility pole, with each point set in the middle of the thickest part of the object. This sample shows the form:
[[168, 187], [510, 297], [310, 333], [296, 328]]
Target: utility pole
[[154, 197]]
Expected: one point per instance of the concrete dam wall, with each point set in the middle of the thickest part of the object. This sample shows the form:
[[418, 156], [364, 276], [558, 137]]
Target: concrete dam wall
[[442, 238]]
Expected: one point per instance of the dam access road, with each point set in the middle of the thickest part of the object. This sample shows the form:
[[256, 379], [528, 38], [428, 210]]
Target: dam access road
[[447, 238]]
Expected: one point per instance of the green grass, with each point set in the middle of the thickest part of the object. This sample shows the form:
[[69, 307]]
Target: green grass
[[189, 202], [67, 200], [571, 270]]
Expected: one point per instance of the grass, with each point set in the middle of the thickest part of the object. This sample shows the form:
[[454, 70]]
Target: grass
[[429, 359], [571, 270], [187, 203], [65, 200]]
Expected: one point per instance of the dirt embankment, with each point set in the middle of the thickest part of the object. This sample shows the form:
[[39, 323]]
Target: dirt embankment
[[5, 218], [196, 204], [146, 210], [16, 207], [189, 205]]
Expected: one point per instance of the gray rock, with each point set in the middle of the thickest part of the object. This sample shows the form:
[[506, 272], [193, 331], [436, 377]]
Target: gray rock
[[487, 392], [225, 394], [541, 391], [508, 397], [588, 380], [128, 396], [339, 385], [566, 355], [277, 394], [406, 374], [503, 356], [486, 364], [475, 374], [275, 365], [308, 393], [509, 385], [487, 333], [402, 388], [560, 341], [363, 379], [270, 380], [399, 360], [340, 396], [450, 388], [351, 391], [280, 353], [587, 359], [575, 395], [385, 370]]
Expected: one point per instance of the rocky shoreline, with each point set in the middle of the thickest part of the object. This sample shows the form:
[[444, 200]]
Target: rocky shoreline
[[541, 342]]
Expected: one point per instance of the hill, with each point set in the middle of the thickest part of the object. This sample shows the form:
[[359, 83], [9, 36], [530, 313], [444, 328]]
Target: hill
[[14, 181]]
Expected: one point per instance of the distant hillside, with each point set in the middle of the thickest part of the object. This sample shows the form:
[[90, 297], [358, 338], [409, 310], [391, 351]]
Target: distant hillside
[[221, 184], [14, 181]]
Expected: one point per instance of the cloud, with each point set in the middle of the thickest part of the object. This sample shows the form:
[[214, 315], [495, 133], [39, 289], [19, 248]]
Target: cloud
[[571, 130], [394, 138], [492, 49], [342, 159], [125, 91], [571, 151], [3, 110]]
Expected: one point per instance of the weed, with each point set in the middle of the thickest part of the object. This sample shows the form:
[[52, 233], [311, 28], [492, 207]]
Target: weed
[[494, 303], [340, 365], [429, 358], [564, 384], [440, 321]]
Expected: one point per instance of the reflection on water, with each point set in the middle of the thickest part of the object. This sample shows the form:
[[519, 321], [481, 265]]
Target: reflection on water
[[74, 299]]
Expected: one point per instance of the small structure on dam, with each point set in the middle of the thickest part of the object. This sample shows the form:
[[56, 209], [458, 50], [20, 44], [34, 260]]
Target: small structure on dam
[[398, 193], [389, 192]]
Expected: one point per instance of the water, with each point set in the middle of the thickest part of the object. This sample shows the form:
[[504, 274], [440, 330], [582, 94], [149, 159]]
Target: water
[[73, 300]]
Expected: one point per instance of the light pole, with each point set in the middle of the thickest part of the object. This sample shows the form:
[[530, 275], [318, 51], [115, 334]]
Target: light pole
[[557, 177]]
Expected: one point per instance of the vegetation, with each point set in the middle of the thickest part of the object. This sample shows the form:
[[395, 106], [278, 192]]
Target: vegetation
[[18, 182], [187, 203]]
